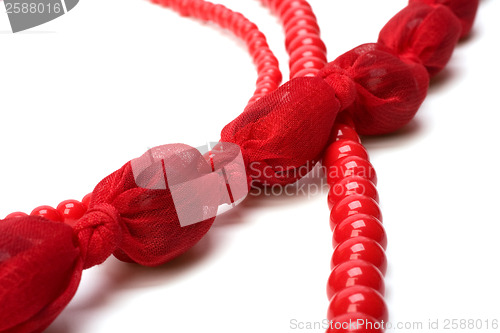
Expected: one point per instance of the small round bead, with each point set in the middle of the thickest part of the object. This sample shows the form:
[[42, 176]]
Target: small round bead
[[355, 273], [355, 322], [358, 299], [360, 225], [306, 72], [86, 200], [351, 186], [351, 166], [16, 215], [289, 15], [309, 39], [360, 248], [306, 63], [343, 148], [343, 131], [351, 205], [48, 212], [307, 51], [71, 210]]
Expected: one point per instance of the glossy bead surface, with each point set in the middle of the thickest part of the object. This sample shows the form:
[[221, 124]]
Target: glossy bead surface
[[16, 215], [360, 225], [71, 210], [86, 200], [342, 131], [48, 212], [343, 148], [360, 248], [351, 166], [351, 205], [353, 185], [354, 322], [355, 273], [358, 299]]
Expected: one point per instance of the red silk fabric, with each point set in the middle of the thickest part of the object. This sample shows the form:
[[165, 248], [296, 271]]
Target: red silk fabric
[[380, 85], [275, 133], [40, 269]]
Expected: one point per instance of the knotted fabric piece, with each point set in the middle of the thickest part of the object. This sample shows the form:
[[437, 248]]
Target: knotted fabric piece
[[424, 34], [99, 234], [283, 134], [151, 233], [387, 91], [40, 269], [465, 10]]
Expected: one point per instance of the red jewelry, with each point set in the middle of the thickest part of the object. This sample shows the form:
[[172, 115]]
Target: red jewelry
[[373, 89]]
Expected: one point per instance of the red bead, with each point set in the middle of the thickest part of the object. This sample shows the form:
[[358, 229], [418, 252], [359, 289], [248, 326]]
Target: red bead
[[343, 131], [360, 225], [360, 248], [351, 205], [359, 299], [86, 200], [15, 215], [309, 39], [351, 166], [310, 63], [71, 210], [354, 273], [48, 212], [351, 186], [343, 148], [298, 31], [355, 322], [307, 51]]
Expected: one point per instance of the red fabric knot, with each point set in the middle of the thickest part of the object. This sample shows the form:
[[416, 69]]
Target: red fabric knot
[[151, 231], [341, 82], [99, 234], [387, 90], [423, 32], [40, 269], [283, 134], [465, 10]]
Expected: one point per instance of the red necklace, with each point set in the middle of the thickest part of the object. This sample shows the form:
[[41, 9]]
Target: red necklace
[[372, 89]]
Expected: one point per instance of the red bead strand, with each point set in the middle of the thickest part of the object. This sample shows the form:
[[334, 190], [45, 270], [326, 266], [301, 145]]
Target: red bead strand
[[355, 287], [268, 73], [303, 42]]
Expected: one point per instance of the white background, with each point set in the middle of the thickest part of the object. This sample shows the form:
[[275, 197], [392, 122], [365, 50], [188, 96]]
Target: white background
[[85, 93]]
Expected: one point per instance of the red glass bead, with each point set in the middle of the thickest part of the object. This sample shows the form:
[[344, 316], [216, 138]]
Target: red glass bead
[[71, 210], [86, 200], [351, 205], [351, 166], [358, 299], [309, 39], [15, 215], [307, 51], [298, 31], [360, 225], [343, 131], [306, 63], [360, 248], [343, 148], [48, 212], [292, 14], [354, 273], [306, 72], [355, 322], [351, 186]]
